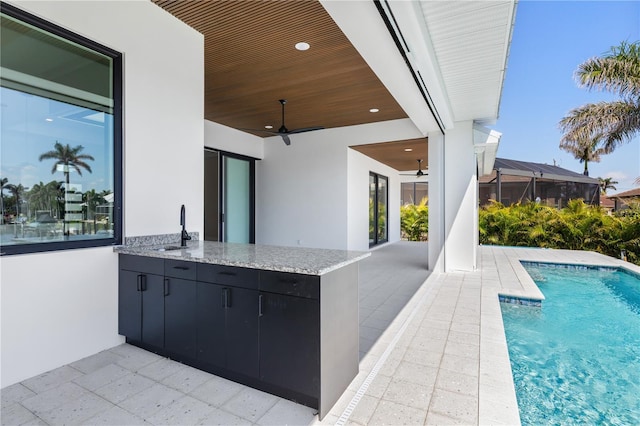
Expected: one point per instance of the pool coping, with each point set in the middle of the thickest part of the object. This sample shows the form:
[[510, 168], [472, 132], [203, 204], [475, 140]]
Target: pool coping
[[499, 273], [528, 290]]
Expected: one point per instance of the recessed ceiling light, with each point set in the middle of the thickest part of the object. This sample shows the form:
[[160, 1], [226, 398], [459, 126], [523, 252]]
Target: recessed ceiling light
[[408, 149], [268, 127], [374, 110], [48, 119], [302, 46]]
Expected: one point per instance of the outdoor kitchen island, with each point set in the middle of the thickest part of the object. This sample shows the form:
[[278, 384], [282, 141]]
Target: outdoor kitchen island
[[280, 319]]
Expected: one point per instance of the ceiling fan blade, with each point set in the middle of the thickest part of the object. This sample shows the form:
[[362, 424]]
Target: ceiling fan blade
[[285, 138], [304, 129], [414, 174]]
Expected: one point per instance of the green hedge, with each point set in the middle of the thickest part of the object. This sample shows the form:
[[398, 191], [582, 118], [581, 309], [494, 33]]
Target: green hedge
[[577, 227], [414, 221]]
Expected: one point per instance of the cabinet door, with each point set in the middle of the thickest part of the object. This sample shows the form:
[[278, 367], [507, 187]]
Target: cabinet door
[[130, 305], [180, 316], [141, 307], [210, 323], [242, 331], [152, 331], [290, 342]]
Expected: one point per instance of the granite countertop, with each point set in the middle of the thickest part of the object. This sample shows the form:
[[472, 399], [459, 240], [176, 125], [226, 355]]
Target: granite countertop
[[299, 260]]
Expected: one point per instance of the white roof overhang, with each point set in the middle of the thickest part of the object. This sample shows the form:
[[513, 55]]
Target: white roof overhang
[[485, 143], [457, 49]]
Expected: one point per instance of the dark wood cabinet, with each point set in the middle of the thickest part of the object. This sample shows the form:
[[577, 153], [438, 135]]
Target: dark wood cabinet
[[210, 317], [242, 331], [227, 311], [290, 343], [180, 317], [179, 308], [293, 335], [141, 300]]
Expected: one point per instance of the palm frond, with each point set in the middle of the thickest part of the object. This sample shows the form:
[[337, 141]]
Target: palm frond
[[617, 71], [613, 123], [584, 150]]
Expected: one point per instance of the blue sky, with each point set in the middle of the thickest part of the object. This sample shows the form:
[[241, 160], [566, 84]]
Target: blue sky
[[550, 40]]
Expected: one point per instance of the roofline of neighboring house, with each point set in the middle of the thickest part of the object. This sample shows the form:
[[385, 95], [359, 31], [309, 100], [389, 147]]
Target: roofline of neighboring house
[[552, 176], [632, 193]]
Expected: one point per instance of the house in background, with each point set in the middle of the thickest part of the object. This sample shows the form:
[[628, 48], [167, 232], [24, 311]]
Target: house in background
[[623, 199], [513, 181], [607, 203], [196, 75]]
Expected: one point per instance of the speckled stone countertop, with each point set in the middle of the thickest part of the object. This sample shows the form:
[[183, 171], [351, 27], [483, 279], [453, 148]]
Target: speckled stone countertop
[[299, 260]]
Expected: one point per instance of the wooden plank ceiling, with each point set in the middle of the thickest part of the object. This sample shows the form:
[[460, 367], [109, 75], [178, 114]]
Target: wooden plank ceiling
[[251, 62], [396, 155]]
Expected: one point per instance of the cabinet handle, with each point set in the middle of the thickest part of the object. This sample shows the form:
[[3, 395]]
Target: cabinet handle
[[225, 297], [231, 274], [139, 283], [182, 268], [260, 305], [166, 286], [143, 283], [228, 296]]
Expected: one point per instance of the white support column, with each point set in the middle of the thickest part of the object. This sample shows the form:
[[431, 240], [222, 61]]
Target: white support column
[[436, 202], [460, 201]]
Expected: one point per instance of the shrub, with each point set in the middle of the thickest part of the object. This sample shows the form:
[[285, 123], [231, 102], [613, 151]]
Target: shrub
[[414, 221], [577, 227]]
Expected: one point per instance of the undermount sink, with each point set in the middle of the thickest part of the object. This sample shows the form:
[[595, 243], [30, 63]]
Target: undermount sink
[[169, 248]]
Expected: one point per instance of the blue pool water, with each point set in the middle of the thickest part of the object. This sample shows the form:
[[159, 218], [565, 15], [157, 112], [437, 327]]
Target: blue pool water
[[576, 359]]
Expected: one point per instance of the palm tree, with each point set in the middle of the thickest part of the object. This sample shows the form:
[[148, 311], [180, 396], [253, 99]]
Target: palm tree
[[610, 123], [607, 183], [92, 199], [69, 158], [3, 185], [17, 191], [55, 192], [584, 151]]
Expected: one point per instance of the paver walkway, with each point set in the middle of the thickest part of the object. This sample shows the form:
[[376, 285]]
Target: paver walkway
[[432, 352]]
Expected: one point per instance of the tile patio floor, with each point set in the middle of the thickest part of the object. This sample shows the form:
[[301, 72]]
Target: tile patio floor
[[432, 352]]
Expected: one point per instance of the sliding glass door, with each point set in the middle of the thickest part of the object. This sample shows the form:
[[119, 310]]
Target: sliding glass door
[[378, 200], [238, 222], [229, 194]]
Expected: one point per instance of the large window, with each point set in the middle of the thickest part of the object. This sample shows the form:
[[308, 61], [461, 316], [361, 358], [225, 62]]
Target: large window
[[60, 137], [413, 192], [378, 196]]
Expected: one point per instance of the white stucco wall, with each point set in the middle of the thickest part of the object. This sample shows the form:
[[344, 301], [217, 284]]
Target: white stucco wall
[[304, 191], [61, 306], [359, 166], [461, 201], [223, 138], [301, 192], [436, 202]]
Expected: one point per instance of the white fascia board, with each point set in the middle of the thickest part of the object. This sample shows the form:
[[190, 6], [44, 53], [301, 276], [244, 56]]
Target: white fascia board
[[422, 56], [362, 25], [485, 143]]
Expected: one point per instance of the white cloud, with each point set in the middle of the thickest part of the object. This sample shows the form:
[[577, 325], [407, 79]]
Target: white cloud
[[617, 175]]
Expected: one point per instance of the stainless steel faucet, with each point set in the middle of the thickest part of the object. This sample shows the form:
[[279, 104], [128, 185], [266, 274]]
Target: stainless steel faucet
[[184, 237]]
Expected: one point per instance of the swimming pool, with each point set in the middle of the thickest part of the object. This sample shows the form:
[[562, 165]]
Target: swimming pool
[[576, 359]]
